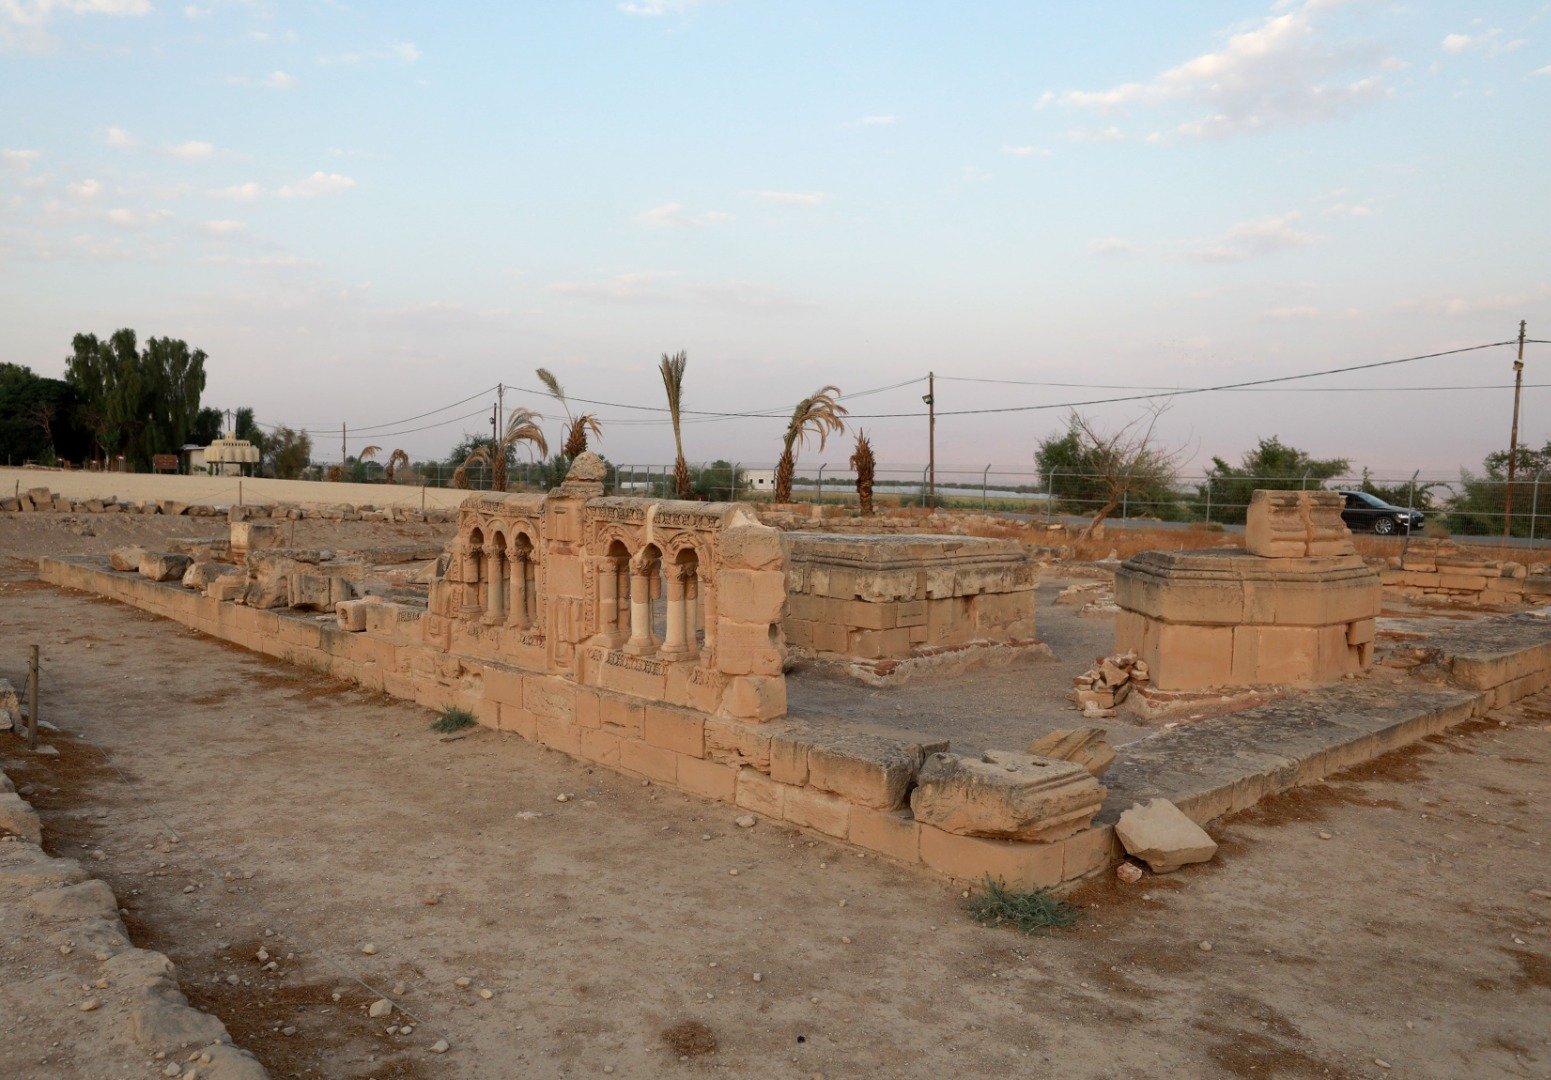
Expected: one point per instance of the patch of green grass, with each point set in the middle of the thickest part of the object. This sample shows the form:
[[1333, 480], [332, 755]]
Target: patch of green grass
[[453, 720], [1032, 912]]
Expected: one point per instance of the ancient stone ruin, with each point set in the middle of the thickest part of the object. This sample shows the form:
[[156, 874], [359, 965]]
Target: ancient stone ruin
[[1295, 606]]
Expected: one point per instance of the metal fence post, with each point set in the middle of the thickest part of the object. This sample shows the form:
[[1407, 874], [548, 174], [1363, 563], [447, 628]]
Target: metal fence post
[[923, 487], [983, 477], [820, 497], [1303, 485], [1534, 504], [1050, 492], [732, 484], [1208, 496]]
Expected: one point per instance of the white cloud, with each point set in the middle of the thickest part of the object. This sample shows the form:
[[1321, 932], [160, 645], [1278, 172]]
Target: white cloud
[[1348, 210], [805, 200], [23, 22], [1248, 239], [405, 52], [319, 183], [657, 7], [1279, 74], [275, 80], [19, 159], [1542, 71], [871, 121], [1288, 314], [134, 219], [974, 174], [1112, 247], [1109, 134], [1026, 151], [673, 215], [223, 229], [1459, 305], [85, 189], [240, 192], [118, 137], [1492, 42], [193, 150], [194, 11]]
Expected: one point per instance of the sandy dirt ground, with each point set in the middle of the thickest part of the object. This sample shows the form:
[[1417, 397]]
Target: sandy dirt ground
[[240, 804]]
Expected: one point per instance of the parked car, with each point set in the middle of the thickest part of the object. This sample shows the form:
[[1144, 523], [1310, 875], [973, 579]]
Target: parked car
[[1365, 511]]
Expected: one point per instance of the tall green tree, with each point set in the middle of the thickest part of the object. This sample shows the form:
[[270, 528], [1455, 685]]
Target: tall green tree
[[1479, 508], [39, 418], [1271, 466], [290, 452], [138, 402]]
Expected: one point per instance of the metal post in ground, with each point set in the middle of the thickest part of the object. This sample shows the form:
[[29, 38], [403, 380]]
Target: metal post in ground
[[1405, 541], [983, 477], [820, 497], [1209, 497], [1534, 504], [1050, 492], [32, 699], [732, 483]]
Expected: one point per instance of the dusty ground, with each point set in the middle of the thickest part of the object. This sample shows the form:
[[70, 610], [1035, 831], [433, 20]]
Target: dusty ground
[[1416, 935]]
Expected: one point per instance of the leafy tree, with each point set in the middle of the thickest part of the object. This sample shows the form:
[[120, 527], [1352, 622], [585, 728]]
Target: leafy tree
[[819, 414], [1483, 500], [1271, 466], [1402, 494], [207, 426], [1098, 472], [672, 370], [290, 453], [716, 482], [521, 427], [39, 418], [139, 402]]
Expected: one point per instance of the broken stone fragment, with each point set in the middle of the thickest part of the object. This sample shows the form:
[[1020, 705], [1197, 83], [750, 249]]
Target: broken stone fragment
[[1159, 833], [1006, 795], [163, 566], [126, 559], [1085, 746], [201, 572]]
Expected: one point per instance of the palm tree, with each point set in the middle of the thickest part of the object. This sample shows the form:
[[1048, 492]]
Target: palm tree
[[395, 459], [818, 414], [521, 427], [672, 369], [865, 464], [577, 431]]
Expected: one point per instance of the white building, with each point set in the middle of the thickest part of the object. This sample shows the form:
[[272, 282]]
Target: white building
[[759, 480]]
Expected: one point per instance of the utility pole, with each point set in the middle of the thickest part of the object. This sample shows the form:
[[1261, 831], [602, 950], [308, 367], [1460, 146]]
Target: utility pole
[[1513, 433], [931, 437], [344, 431], [500, 406]]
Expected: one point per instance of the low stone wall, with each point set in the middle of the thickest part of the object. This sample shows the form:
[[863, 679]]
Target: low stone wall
[[1442, 570], [77, 917], [41, 500], [833, 778], [876, 600]]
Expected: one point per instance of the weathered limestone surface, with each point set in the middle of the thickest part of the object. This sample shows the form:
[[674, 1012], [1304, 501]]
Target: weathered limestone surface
[[1225, 618], [1296, 525], [126, 559], [876, 598], [163, 566], [1159, 834], [1085, 746], [1006, 795], [1442, 570]]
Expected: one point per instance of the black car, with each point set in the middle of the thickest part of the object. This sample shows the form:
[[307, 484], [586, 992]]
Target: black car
[[1364, 511]]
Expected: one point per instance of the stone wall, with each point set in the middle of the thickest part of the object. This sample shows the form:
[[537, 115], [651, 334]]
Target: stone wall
[[1442, 570]]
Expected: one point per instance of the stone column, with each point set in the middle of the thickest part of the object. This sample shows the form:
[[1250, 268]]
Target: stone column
[[495, 589], [622, 597], [473, 563], [518, 615], [674, 643], [692, 608], [640, 642]]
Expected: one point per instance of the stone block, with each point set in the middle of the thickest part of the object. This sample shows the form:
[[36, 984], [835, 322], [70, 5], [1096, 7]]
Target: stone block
[[737, 742], [163, 566], [825, 813], [558, 733], [19, 818], [1159, 833], [972, 859], [869, 770], [352, 613], [759, 793], [1193, 657], [1006, 795], [601, 746], [751, 545], [126, 559], [789, 757], [889, 832], [1296, 524], [752, 596], [675, 729], [1085, 746], [652, 762], [755, 697], [707, 779], [746, 648], [621, 715], [549, 697]]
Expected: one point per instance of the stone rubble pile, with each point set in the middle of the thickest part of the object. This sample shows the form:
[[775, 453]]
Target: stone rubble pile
[[1108, 683]]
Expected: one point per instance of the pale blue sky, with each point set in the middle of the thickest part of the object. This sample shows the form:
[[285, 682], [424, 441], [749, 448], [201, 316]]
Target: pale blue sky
[[365, 212]]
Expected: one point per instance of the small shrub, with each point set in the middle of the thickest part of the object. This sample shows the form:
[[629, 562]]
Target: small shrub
[[453, 720], [1032, 912]]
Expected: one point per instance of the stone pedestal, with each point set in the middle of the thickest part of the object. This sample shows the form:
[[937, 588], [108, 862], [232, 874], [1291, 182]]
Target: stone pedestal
[[1225, 618]]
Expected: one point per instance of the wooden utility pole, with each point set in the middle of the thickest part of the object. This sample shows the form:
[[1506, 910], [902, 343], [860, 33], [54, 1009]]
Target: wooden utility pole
[[931, 437], [1513, 434], [343, 453]]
